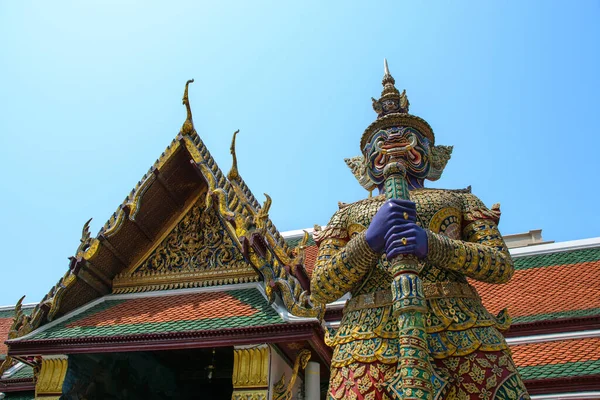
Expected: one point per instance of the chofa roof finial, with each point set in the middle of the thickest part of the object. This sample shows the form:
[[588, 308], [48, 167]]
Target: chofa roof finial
[[188, 126]]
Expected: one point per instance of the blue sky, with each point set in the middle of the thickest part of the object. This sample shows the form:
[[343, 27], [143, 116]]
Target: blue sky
[[91, 95]]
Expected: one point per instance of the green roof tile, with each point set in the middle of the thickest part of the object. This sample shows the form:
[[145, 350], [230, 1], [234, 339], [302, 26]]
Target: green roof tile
[[557, 315], [293, 242], [25, 372], [565, 370], [564, 258]]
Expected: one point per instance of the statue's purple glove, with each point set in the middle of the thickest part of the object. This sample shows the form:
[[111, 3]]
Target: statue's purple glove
[[407, 239], [391, 217]]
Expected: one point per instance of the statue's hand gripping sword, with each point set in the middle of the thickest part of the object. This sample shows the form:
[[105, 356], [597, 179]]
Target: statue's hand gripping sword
[[415, 377]]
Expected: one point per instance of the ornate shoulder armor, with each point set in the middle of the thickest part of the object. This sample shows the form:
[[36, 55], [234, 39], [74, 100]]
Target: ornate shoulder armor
[[482, 254], [341, 262]]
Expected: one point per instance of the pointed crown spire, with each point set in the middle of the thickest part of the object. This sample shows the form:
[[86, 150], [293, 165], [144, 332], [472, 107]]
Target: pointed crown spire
[[392, 111], [391, 100]]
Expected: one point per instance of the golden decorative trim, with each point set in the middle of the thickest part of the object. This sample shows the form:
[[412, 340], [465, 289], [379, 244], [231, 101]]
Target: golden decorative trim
[[51, 377], [192, 149], [135, 203], [432, 290], [92, 249], [174, 280], [249, 395], [67, 281], [397, 119], [281, 391], [251, 368], [251, 373], [115, 222]]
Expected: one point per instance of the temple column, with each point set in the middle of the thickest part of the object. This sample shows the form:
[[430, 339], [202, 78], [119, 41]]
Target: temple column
[[312, 381], [251, 372]]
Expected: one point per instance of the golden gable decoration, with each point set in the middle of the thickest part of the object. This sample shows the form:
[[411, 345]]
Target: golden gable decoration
[[197, 252]]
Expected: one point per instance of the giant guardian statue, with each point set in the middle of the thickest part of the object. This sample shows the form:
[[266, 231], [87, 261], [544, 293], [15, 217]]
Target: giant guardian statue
[[414, 328]]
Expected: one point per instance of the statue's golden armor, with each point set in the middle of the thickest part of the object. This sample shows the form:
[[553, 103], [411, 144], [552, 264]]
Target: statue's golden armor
[[463, 337]]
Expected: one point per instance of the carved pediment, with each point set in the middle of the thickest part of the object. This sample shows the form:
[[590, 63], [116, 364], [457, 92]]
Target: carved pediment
[[196, 252]]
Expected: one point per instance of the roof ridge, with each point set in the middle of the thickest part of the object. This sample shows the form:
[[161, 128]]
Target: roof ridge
[[553, 248]]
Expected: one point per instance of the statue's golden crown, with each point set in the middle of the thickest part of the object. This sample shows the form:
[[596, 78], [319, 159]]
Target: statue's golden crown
[[392, 110]]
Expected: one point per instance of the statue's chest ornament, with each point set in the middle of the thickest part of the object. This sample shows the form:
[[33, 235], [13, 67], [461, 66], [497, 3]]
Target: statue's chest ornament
[[446, 221]]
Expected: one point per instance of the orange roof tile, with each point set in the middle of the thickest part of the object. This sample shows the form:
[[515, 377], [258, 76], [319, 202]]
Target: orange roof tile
[[545, 290], [189, 307], [311, 259], [557, 352], [5, 324]]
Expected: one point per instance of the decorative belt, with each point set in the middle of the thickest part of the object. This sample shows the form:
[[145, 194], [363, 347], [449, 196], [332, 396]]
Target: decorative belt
[[432, 290]]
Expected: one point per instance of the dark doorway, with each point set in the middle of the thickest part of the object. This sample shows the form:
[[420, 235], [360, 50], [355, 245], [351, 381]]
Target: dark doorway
[[174, 374]]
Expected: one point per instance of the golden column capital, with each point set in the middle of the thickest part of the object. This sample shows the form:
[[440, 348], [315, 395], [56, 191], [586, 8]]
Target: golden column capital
[[50, 379], [251, 372]]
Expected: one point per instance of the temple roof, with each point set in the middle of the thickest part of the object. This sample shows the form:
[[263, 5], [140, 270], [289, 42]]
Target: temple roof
[[557, 365], [16, 378], [548, 287], [185, 224], [184, 318], [560, 358], [22, 373], [7, 314], [187, 312]]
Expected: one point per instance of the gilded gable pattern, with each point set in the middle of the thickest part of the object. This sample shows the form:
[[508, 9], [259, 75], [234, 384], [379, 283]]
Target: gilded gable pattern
[[197, 252]]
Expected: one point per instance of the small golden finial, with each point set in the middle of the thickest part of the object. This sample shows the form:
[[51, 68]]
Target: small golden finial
[[233, 172], [188, 126]]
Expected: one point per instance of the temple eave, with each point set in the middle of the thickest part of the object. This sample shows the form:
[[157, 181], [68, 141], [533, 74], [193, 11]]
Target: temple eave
[[279, 333], [17, 385], [564, 385]]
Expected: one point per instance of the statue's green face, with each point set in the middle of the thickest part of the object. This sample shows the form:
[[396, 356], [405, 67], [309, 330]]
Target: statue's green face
[[397, 144]]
